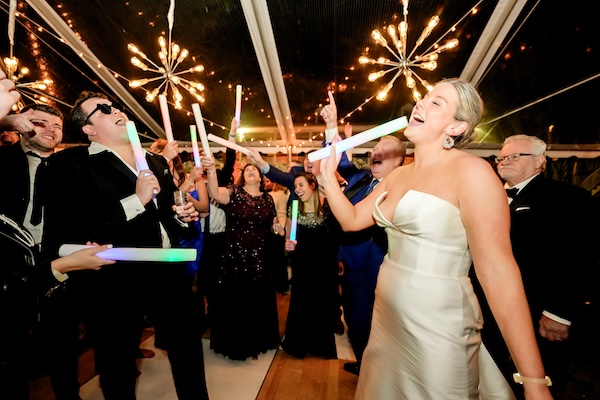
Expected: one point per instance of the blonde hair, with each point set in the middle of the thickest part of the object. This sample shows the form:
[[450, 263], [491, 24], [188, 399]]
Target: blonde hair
[[469, 109]]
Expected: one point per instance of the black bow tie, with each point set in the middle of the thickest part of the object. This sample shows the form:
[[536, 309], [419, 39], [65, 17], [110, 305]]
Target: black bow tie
[[512, 193]]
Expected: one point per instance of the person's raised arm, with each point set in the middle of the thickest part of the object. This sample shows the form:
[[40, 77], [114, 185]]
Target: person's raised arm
[[486, 217], [350, 217], [220, 194]]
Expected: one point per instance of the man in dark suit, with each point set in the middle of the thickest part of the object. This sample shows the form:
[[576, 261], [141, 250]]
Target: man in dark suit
[[361, 253], [551, 243], [41, 128], [100, 195]]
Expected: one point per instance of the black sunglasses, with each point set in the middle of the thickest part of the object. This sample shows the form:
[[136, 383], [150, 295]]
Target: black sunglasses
[[104, 109]]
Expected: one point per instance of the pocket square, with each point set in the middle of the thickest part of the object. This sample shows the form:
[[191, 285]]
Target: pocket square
[[522, 208]]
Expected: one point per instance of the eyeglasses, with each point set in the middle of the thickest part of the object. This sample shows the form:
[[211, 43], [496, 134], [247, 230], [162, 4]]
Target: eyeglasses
[[512, 157], [104, 109]]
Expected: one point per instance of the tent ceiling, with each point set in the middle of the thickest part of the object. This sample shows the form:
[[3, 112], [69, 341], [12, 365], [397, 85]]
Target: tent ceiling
[[287, 53]]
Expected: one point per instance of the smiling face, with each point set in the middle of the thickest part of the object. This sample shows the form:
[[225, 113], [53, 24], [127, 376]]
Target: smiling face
[[47, 133], [386, 155], [303, 189], [433, 115], [104, 128]]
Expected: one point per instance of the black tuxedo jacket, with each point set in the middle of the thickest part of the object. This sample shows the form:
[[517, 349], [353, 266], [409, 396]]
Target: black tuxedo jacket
[[85, 202], [550, 239], [14, 182]]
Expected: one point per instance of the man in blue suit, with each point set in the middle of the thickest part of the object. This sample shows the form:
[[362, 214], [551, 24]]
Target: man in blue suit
[[361, 253]]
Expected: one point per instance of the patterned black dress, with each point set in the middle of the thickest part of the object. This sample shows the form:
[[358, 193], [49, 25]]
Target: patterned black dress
[[243, 303]]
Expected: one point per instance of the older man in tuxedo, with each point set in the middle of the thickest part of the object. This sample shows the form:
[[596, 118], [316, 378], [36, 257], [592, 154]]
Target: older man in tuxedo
[[550, 236], [100, 195]]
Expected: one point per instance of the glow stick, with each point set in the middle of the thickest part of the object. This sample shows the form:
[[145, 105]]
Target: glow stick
[[164, 110], [238, 102], [294, 220], [138, 152], [135, 254], [201, 129], [195, 146], [229, 144], [361, 138]]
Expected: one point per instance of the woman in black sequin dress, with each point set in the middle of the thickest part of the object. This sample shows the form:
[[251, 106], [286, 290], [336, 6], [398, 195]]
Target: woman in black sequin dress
[[314, 303], [243, 302]]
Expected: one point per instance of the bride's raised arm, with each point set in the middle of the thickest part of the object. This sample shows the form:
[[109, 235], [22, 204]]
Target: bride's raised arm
[[350, 217]]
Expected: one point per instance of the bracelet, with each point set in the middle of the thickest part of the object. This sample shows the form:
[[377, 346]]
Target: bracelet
[[523, 379], [231, 135], [210, 172]]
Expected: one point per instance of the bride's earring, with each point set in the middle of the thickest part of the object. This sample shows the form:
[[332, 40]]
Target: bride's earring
[[448, 142]]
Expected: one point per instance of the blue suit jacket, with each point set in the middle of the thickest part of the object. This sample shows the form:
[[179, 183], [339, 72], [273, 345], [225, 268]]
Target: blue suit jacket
[[364, 249]]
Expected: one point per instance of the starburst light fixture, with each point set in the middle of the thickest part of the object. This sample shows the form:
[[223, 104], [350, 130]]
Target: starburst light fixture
[[15, 74], [171, 56], [403, 64]]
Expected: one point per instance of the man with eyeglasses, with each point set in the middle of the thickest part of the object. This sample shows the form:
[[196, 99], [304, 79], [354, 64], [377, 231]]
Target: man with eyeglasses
[[550, 225], [100, 195]]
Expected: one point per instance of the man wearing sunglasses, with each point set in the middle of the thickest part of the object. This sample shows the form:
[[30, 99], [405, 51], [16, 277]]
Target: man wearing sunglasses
[[99, 193], [551, 242]]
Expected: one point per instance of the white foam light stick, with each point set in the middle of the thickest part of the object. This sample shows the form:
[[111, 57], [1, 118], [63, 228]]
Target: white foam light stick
[[238, 102], [138, 151], [361, 138], [201, 129], [135, 254], [229, 144], [164, 110], [195, 146]]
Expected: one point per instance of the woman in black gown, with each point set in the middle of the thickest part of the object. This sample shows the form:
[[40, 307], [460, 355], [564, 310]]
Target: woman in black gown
[[242, 296], [313, 311]]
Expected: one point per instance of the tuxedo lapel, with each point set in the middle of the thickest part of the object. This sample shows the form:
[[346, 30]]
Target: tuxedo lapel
[[359, 186]]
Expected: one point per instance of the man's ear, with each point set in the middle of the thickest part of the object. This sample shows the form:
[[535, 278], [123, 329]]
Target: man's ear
[[88, 131]]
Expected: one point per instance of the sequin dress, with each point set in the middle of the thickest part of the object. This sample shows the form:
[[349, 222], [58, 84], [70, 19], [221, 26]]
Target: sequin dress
[[314, 302], [243, 304]]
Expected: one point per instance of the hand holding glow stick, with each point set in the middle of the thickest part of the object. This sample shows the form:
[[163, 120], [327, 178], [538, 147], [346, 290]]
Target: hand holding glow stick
[[294, 225], [164, 110], [135, 254], [361, 138], [195, 146], [229, 144], [238, 102], [138, 151], [201, 128]]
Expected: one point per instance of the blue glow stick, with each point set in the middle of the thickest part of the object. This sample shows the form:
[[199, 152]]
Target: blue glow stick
[[294, 219], [135, 254], [360, 138]]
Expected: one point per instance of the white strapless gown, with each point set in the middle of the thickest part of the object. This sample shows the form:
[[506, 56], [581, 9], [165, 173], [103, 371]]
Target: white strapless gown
[[425, 335]]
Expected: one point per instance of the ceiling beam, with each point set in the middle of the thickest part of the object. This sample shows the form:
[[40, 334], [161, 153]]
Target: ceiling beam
[[261, 33], [493, 35], [62, 29]]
